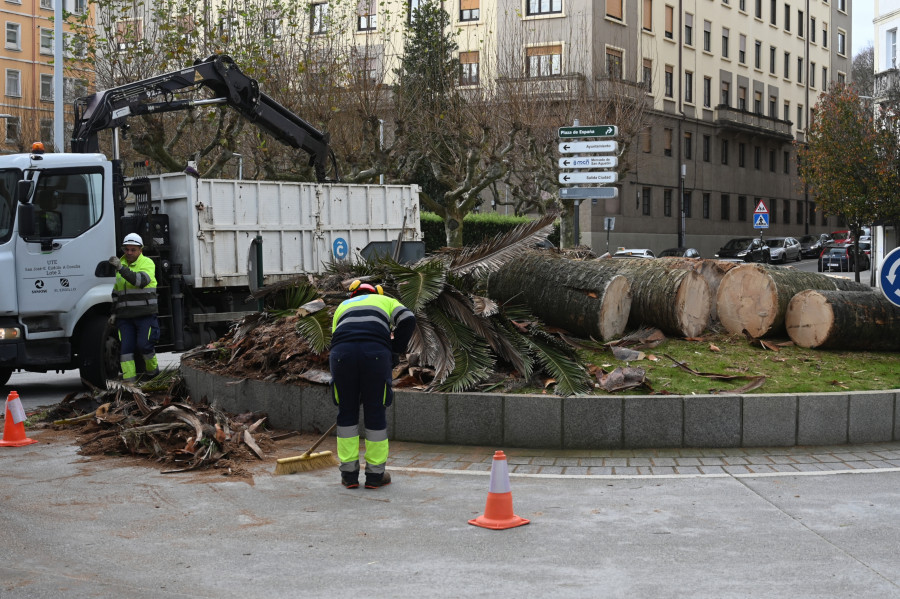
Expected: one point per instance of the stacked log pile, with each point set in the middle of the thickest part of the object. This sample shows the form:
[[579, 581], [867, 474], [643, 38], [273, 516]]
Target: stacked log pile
[[843, 320], [753, 298]]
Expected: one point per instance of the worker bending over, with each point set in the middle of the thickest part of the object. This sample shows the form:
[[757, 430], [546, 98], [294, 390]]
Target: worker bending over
[[362, 349]]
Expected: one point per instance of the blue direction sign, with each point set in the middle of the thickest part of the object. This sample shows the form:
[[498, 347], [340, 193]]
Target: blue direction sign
[[889, 278], [761, 221], [339, 248]]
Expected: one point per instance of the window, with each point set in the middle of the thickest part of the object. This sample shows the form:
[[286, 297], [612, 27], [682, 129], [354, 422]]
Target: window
[[544, 61], [469, 10], [773, 107], [726, 94], [648, 75], [787, 110], [80, 6], [271, 26], [646, 138], [613, 63], [841, 43], [668, 81], [825, 35], [688, 29], [787, 17], [689, 87], [614, 9], [547, 7], [742, 208], [799, 116], [12, 130], [824, 77], [13, 83], [800, 23], [128, 33], [707, 36], [706, 205], [842, 78], [667, 202], [842, 5], [786, 213], [812, 74], [75, 45], [47, 4], [648, 15], [799, 69], [367, 71], [707, 92], [758, 11], [318, 17], [686, 204], [773, 13], [73, 88], [725, 207], [787, 65], [742, 98], [670, 31], [786, 167], [771, 161], [367, 15], [742, 5], [891, 49], [724, 151], [757, 157], [47, 130], [742, 49], [667, 142], [468, 68], [13, 36], [46, 41], [773, 211], [725, 37], [706, 147], [757, 56], [646, 201], [688, 145], [772, 59], [812, 29], [78, 208], [742, 155], [757, 102], [46, 87]]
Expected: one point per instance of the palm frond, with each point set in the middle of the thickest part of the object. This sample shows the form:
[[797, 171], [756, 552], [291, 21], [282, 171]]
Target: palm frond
[[417, 285], [502, 248], [432, 345], [560, 363], [473, 363], [484, 306], [316, 330]]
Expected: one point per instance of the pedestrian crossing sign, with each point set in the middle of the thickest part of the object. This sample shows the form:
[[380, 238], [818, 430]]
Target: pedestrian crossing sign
[[761, 221], [761, 208]]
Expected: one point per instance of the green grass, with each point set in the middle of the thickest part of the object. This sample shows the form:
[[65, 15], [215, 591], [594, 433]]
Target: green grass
[[791, 369]]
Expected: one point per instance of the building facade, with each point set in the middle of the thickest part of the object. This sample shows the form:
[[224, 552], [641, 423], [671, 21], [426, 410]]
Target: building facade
[[887, 91]]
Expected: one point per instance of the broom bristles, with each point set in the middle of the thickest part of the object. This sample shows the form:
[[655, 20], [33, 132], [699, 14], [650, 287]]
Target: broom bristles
[[305, 463]]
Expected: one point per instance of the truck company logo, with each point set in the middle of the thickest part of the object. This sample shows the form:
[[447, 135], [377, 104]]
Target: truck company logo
[[39, 287], [64, 282]]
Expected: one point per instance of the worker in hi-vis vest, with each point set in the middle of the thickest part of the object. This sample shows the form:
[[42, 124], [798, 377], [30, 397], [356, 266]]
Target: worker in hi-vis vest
[[362, 356], [136, 307]]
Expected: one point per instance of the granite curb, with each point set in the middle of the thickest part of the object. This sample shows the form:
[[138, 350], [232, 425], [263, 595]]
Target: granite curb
[[596, 422]]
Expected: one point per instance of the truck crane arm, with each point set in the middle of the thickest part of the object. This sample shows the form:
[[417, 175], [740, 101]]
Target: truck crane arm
[[113, 107]]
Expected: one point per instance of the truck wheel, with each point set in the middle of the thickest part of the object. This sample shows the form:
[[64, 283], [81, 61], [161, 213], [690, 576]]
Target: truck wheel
[[98, 349], [5, 373]]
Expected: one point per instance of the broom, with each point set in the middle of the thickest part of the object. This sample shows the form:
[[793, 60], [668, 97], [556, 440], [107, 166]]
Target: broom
[[309, 460]]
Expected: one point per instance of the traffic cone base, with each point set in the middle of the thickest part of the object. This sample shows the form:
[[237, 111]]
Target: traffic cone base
[[14, 433], [498, 512]]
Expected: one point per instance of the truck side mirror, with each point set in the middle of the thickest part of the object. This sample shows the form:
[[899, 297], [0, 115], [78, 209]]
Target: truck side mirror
[[25, 219], [24, 189]]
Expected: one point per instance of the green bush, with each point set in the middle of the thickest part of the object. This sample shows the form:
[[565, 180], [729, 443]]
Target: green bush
[[476, 229]]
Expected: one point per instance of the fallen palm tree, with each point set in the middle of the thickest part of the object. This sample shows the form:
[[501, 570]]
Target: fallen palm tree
[[843, 319]]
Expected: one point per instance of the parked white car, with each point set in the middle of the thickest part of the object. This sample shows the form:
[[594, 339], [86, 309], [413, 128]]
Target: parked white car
[[633, 253]]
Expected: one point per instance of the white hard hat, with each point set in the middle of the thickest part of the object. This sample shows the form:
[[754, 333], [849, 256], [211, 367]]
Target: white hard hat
[[133, 239]]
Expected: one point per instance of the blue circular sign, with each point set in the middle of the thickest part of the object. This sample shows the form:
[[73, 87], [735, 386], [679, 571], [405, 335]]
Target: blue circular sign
[[340, 248], [889, 277]]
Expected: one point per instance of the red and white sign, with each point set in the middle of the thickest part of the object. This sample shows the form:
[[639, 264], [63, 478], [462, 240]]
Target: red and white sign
[[761, 208]]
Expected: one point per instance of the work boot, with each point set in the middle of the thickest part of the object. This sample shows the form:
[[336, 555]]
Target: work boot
[[374, 481], [350, 479]]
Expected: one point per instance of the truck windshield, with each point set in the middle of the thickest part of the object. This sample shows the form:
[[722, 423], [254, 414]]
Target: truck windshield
[[8, 180], [68, 202]]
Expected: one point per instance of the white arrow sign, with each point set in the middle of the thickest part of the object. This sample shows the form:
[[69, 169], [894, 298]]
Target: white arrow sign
[[588, 162], [598, 177], [580, 147]]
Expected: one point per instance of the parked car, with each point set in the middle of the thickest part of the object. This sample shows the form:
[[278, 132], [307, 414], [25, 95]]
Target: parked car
[[782, 249], [748, 249], [679, 253], [839, 257], [811, 245], [634, 253]]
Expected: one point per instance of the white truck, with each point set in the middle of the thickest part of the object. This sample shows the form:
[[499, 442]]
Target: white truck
[[63, 215]]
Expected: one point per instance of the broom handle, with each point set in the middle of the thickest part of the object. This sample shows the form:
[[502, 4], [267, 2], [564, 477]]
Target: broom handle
[[319, 442]]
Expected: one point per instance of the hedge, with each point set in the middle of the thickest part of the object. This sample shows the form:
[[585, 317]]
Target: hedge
[[476, 229]]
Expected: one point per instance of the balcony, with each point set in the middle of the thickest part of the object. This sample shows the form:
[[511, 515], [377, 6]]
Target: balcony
[[887, 85], [611, 87], [751, 122], [558, 87]]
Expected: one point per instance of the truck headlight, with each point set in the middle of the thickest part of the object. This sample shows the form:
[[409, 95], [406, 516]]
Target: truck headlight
[[10, 333]]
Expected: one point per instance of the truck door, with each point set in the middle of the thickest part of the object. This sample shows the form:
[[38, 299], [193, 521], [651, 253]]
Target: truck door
[[72, 233], [8, 302]]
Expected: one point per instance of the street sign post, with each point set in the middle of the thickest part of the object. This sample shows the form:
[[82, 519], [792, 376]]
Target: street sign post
[[585, 193], [595, 131], [889, 277], [592, 177], [588, 162], [761, 221], [581, 147]]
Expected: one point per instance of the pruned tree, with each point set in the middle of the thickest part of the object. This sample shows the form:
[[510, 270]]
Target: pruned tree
[[863, 71]]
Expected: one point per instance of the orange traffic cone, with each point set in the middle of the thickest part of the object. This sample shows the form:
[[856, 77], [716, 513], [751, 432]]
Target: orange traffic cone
[[498, 513], [14, 423]]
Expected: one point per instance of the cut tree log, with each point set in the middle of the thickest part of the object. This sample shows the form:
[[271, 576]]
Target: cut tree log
[[672, 299], [754, 297], [843, 319], [570, 294], [712, 272]]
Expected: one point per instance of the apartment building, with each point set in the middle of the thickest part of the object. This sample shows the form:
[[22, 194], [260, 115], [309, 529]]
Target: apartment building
[[887, 89], [26, 64]]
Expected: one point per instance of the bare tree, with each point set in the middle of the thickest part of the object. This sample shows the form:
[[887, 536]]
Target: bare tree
[[863, 71]]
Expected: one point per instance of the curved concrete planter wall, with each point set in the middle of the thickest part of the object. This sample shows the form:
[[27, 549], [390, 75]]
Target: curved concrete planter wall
[[597, 422]]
